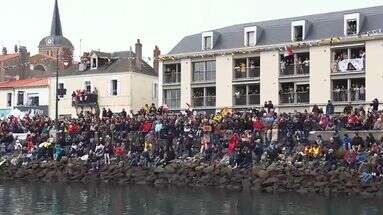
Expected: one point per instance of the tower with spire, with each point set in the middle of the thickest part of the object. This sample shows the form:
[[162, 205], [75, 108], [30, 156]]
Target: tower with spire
[[56, 42]]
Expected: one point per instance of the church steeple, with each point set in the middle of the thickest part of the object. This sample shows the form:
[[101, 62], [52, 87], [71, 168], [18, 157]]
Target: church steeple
[[56, 29]]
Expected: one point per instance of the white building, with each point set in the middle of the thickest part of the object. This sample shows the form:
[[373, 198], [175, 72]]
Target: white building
[[27, 96], [295, 63]]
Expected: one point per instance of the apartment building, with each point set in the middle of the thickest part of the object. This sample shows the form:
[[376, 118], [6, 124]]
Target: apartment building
[[295, 63]]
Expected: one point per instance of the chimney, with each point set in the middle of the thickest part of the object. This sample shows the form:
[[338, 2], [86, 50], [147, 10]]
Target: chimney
[[138, 53], [4, 51], [156, 54]]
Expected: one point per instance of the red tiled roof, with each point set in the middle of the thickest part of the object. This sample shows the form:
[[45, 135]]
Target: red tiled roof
[[8, 56], [24, 83]]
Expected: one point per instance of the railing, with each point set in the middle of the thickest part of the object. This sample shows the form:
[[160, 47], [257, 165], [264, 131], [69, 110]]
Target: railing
[[348, 95], [243, 100], [348, 65], [203, 76], [173, 103], [246, 72], [203, 101], [88, 99], [295, 69], [172, 78], [295, 98]]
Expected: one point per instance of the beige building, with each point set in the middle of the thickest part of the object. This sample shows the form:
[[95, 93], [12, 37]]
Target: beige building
[[295, 63], [116, 81]]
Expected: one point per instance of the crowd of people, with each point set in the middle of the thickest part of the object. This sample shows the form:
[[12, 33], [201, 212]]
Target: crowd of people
[[155, 136], [84, 96]]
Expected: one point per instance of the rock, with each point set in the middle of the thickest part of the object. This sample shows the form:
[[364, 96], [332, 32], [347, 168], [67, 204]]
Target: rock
[[269, 182], [159, 170], [169, 169], [226, 171], [320, 184], [199, 168], [246, 183], [262, 174], [208, 169]]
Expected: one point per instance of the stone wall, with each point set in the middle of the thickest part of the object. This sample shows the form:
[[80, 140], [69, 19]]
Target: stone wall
[[276, 178]]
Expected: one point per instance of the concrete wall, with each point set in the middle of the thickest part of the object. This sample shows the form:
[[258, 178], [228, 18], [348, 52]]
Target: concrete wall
[[269, 86], [320, 83], [141, 90], [224, 85], [374, 70], [186, 75]]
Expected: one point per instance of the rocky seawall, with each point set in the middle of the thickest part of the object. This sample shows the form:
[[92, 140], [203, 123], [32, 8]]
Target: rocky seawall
[[275, 178]]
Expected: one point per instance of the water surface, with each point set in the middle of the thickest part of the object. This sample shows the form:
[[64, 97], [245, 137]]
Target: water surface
[[18, 198]]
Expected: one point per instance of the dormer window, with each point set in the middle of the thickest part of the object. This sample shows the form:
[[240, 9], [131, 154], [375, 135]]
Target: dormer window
[[299, 30], [352, 24], [250, 36], [209, 39]]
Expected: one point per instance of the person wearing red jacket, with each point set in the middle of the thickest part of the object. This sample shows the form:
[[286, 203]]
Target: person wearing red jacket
[[258, 124], [234, 141]]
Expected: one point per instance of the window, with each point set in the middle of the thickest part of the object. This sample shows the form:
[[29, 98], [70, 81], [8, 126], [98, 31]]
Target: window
[[203, 97], [172, 73], [20, 98], [94, 63], [88, 86], [155, 91], [9, 99], [204, 71], [351, 27], [348, 59], [298, 33], [246, 95], [172, 98], [294, 93], [207, 42], [33, 99], [250, 38], [349, 90], [246, 68], [114, 87]]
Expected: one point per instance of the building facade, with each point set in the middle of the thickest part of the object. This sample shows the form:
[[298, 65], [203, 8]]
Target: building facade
[[295, 63], [24, 96], [115, 81]]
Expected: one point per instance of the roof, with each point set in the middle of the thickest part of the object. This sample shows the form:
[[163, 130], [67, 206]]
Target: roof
[[8, 57], [123, 61], [278, 31], [24, 83]]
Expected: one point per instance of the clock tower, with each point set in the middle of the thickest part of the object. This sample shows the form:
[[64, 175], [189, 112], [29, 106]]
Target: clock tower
[[56, 42]]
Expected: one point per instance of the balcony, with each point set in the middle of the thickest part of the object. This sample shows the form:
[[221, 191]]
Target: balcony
[[348, 66], [348, 96], [203, 101], [243, 100], [82, 99], [295, 69], [246, 72], [295, 98]]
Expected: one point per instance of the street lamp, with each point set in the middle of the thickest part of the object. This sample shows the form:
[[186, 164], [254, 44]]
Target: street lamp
[[57, 93]]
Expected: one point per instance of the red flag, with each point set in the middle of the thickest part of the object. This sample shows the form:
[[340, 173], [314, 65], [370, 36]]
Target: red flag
[[288, 51]]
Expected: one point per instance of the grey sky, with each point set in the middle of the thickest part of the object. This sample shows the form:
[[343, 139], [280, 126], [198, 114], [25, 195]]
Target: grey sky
[[115, 25]]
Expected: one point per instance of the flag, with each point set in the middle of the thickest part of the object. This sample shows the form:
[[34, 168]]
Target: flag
[[288, 51]]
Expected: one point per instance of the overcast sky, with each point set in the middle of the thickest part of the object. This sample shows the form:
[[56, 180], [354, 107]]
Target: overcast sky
[[114, 25]]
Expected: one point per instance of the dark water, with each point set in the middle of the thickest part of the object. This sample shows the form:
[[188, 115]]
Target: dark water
[[104, 199]]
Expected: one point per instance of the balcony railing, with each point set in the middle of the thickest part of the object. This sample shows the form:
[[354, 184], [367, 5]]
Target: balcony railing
[[243, 100], [247, 72], [295, 98], [203, 101], [295, 69], [173, 103], [348, 65], [172, 78], [87, 99], [348, 95]]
